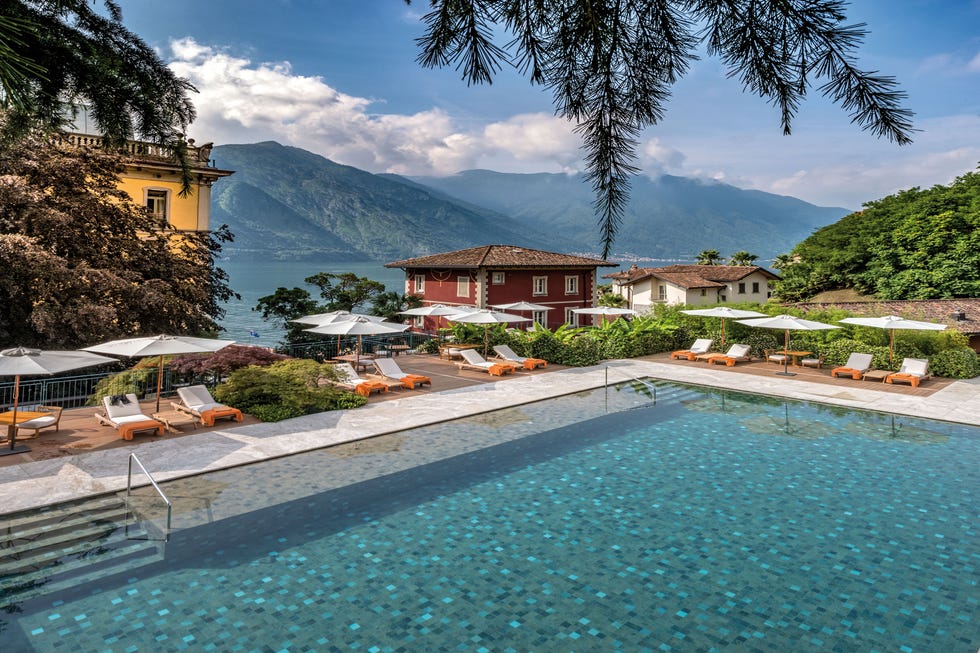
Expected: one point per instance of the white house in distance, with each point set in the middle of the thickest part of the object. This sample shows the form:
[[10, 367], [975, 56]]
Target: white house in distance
[[692, 284]]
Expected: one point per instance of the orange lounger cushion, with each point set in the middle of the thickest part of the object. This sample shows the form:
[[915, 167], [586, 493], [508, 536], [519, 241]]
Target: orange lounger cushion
[[855, 374], [365, 389], [532, 363], [908, 378], [499, 369], [409, 380], [126, 430], [208, 416]]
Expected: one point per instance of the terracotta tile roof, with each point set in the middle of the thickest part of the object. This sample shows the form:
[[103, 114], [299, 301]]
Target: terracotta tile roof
[[691, 276], [927, 310], [499, 256]]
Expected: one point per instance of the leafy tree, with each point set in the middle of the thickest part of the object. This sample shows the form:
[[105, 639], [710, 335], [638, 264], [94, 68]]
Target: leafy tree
[[58, 54], [287, 304], [345, 291], [611, 65], [709, 257], [742, 257], [79, 263], [782, 261], [916, 244], [390, 304]]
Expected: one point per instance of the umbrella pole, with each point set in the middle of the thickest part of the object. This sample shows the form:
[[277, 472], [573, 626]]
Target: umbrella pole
[[159, 381], [786, 371], [891, 346], [12, 429], [723, 334]]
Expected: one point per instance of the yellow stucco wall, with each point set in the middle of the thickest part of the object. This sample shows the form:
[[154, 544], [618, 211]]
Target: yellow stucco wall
[[190, 213]]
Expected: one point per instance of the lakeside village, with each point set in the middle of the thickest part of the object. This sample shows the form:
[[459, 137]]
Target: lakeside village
[[553, 307]]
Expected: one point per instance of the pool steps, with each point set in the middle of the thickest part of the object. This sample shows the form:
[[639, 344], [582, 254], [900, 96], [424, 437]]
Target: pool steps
[[66, 546]]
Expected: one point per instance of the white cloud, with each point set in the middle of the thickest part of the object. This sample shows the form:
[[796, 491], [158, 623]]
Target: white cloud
[[242, 101], [974, 65]]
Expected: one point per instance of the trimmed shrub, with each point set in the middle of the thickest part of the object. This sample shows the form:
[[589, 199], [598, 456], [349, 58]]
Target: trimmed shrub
[[285, 389], [580, 352], [959, 363]]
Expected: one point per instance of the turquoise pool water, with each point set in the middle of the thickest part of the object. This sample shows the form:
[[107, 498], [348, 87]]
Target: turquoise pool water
[[710, 521]]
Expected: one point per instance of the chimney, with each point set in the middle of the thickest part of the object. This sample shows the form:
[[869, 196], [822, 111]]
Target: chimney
[[959, 316]]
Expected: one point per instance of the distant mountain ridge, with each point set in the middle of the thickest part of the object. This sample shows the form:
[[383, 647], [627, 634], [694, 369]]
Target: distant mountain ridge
[[289, 204]]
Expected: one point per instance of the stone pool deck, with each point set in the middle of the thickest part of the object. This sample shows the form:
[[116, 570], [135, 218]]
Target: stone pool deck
[[27, 485]]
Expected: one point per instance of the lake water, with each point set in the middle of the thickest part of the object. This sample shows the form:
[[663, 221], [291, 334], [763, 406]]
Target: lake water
[[255, 279]]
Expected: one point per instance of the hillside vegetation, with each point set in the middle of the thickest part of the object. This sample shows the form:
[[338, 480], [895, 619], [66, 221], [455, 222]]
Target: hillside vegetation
[[916, 244]]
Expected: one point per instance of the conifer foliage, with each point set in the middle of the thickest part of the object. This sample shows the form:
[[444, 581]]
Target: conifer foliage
[[611, 64]]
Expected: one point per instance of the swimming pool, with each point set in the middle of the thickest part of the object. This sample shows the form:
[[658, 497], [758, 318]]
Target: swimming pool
[[704, 520]]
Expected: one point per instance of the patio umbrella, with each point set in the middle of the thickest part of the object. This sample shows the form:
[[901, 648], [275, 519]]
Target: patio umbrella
[[724, 313], [605, 311], [486, 317], [162, 345], [437, 311], [787, 323], [523, 306], [358, 326], [320, 319], [21, 361], [892, 322]]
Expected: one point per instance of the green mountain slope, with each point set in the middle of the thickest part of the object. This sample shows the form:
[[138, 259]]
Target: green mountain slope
[[668, 217], [293, 204]]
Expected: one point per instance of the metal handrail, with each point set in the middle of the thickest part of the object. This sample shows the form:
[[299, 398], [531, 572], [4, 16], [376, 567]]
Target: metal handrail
[[647, 384], [129, 485]]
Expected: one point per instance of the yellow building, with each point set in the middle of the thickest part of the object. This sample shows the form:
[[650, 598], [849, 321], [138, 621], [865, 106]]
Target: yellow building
[[153, 178]]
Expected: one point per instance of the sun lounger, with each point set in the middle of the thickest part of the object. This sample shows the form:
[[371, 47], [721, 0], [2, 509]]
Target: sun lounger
[[349, 379], [473, 360], [913, 370], [122, 412], [388, 368], [856, 366], [196, 400], [51, 419], [508, 354], [735, 354], [700, 346]]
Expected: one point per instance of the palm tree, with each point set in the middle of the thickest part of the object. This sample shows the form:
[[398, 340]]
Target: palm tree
[[742, 257], [783, 261], [709, 257]]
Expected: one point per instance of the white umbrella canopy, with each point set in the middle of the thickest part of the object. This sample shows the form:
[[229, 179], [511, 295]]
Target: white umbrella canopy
[[604, 310], [21, 361], [437, 311], [787, 323], [358, 326], [486, 317], [892, 322], [523, 306], [319, 319], [162, 345], [724, 312]]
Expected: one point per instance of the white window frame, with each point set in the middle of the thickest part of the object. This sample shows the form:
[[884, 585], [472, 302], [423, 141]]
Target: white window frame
[[662, 292], [420, 283], [541, 317], [463, 287], [539, 286], [498, 278], [571, 284], [571, 318], [419, 321], [151, 196]]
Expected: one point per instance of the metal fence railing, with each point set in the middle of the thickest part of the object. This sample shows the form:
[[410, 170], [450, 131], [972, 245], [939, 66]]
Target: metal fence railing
[[334, 345]]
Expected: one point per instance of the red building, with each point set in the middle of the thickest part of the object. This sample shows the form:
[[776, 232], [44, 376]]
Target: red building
[[503, 274]]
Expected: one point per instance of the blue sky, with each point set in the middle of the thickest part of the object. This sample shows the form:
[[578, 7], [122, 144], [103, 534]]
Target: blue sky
[[339, 78]]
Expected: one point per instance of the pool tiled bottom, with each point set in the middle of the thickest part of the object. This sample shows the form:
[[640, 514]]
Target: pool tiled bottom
[[720, 523]]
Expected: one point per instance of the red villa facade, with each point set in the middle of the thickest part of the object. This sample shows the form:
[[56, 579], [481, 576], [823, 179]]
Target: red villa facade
[[503, 274]]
